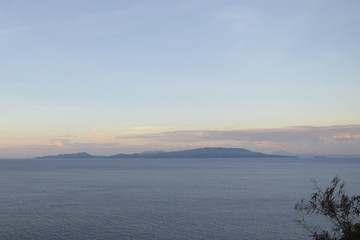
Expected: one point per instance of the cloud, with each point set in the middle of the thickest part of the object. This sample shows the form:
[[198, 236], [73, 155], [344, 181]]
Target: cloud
[[61, 146], [343, 137], [61, 143], [271, 134], [296, 139], [337, 140]]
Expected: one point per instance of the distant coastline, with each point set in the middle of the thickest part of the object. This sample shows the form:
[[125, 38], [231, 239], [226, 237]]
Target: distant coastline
[[192, 153]]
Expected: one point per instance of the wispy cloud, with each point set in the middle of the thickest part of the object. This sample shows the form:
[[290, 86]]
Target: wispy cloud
[[296, 139], [344, 139], [60, 146], [274, 134]]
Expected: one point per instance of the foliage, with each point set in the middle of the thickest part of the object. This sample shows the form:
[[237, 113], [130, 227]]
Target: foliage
[[342, 211]]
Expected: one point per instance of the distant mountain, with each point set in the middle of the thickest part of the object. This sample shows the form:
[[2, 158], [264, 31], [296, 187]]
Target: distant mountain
[[281, 152], [193, 153], [71, 155], [202, 153], [151, 152]]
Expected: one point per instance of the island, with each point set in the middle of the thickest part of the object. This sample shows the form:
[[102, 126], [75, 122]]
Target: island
[[192, 153]]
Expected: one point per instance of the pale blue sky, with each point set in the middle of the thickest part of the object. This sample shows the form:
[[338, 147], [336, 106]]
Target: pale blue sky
[[102, 69]]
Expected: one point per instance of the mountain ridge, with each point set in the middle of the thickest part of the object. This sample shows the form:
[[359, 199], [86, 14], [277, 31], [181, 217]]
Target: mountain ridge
[[191, 153], [70, 155]]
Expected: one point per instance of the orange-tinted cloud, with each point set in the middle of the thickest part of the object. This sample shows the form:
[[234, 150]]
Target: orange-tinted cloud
[[298, 139], [343, 139]]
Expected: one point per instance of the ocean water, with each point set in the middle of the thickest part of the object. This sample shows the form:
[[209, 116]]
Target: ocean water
[[162, 198]]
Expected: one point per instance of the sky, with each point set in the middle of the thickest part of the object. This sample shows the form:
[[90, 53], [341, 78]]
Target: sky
[[128, 76]]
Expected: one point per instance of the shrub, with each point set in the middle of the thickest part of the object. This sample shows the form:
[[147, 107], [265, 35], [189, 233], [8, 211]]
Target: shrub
[[342, 211]]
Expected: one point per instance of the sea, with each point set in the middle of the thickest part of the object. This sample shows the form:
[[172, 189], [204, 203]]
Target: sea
[[145, 199]]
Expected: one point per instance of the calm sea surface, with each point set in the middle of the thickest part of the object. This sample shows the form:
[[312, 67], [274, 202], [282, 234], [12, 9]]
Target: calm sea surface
[[208, 199]]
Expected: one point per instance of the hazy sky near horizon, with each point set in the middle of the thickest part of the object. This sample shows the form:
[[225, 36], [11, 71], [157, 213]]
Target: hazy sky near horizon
[[98, 76]]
